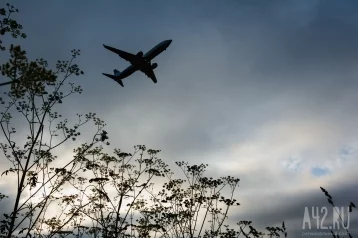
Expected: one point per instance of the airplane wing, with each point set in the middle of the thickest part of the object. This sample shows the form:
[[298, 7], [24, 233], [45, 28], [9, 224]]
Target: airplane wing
[[150, 74], [124, 55]]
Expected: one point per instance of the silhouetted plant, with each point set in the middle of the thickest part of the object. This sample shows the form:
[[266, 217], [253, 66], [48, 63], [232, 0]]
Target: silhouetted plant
[[351, 206], [119, 196], [275, 231], [9, 25], [180, 206], [34, 96]]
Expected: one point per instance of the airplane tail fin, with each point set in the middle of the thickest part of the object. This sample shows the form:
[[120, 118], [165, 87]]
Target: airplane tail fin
[[114, 77]]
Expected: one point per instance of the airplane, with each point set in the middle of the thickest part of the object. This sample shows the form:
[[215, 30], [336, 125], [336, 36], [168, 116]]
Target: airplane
[[138, 62]]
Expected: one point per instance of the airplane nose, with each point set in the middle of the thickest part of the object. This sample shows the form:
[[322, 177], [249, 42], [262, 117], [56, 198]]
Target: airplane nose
[[169, 42]]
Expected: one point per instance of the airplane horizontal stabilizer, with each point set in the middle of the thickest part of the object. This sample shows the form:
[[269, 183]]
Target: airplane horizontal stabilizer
[[115, 78]]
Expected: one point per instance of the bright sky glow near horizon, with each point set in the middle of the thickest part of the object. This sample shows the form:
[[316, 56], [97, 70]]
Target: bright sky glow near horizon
[[265, 91]]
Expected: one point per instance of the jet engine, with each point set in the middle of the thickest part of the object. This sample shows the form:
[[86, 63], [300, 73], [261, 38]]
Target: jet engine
[[140, 53], [154, 65]]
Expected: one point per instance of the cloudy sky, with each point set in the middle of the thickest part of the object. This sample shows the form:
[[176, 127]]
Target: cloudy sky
[[261, 90]]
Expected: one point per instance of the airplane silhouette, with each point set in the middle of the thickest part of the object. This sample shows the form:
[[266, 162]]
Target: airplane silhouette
[[138, 62]]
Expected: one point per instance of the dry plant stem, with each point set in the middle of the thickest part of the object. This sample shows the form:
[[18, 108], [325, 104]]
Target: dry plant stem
[[34, 140]]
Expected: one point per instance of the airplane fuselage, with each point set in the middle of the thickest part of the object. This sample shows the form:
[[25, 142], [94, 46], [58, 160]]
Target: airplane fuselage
[[140, 63], [156, 50], [143, 62]]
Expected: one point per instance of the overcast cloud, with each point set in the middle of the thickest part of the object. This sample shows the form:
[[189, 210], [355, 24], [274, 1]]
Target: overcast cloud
[[262, 90]]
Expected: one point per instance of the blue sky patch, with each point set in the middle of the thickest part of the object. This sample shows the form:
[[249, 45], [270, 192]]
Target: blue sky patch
[[318, 172]]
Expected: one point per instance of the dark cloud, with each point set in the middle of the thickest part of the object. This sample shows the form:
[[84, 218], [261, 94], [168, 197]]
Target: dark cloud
[[265, 74]]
